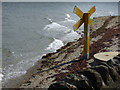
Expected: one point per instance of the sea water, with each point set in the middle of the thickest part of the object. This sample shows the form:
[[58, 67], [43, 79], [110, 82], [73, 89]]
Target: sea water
[[30, 30]]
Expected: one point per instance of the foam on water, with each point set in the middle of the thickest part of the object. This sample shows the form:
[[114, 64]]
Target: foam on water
[[53, 25], [56, 44], [111, 13], [67, 16], [1, 81], [56, 30], [50, 20], [1, 75], [71, 36], [63, 31], [20, 68]]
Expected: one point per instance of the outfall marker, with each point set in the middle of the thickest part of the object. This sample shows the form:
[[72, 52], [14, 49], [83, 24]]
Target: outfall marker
[[85, 18]]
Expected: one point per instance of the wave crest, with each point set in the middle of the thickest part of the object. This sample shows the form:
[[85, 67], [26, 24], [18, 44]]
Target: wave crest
[[56, 44]]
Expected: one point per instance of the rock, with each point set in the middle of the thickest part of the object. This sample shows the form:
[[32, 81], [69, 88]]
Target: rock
[[79, 80], [62, 86], [118, 68], [117, 57], [104, 72], [117, 61], [114, 63], [111, 62], [112, 71], [94, 77]]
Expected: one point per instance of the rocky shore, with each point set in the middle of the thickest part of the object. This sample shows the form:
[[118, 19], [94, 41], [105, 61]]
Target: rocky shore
[[99, 76], [67, 68]]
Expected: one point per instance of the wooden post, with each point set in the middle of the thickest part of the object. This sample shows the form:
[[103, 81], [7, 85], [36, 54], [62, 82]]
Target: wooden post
[[86, 18]]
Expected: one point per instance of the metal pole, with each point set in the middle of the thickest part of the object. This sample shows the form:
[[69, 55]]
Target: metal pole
[[86, 18]]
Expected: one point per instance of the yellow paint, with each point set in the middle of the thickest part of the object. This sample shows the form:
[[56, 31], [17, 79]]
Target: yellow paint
[[88, 42], [78, 24], [92, 10], [91, 23], [80, 14], [86, 18]]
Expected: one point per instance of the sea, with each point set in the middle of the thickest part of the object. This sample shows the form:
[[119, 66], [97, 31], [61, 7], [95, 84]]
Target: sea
[[33, 29]]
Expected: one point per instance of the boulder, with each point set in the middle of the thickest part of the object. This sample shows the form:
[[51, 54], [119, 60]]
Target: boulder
[[61, 85], [79, 80], [118, 68], [117, 57], [94, 77], [112, 71], [104, 72], [114, 74]]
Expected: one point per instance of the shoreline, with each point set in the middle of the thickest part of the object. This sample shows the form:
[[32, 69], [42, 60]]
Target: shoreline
[[53, 63]]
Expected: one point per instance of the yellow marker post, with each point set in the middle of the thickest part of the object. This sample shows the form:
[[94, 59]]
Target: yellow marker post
[[85, 18]]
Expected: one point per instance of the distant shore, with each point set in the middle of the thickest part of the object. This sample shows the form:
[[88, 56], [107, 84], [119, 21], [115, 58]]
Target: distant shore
[[104, 37]]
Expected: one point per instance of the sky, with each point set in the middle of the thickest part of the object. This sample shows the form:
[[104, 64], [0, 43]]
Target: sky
[[60, 0]]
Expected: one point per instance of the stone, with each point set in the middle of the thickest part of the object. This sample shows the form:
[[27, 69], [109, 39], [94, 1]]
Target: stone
[[62, 86], [79, 80], [117, 57], [94, 77], [118, 68], [112, 71], [116, 61], [103, 71]]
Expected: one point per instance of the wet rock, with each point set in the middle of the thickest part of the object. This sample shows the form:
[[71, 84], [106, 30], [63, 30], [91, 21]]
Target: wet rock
[[113, 62], [61, 85], [80, 81], [103, 71], [94, 77], [116, 61], [112, 71], [118, 68], [117, 57]]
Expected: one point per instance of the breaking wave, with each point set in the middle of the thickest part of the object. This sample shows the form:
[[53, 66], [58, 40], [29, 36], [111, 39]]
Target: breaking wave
[[56, 44]]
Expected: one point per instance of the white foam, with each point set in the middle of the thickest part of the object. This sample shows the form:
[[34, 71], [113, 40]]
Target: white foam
[[56, 30], [111, 13], [52, 25], [14, 74], [1, 75], [71, 36], [56, 44], [50, 20], [67, 16], [20, 68], [68, 19], [1, 81]]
